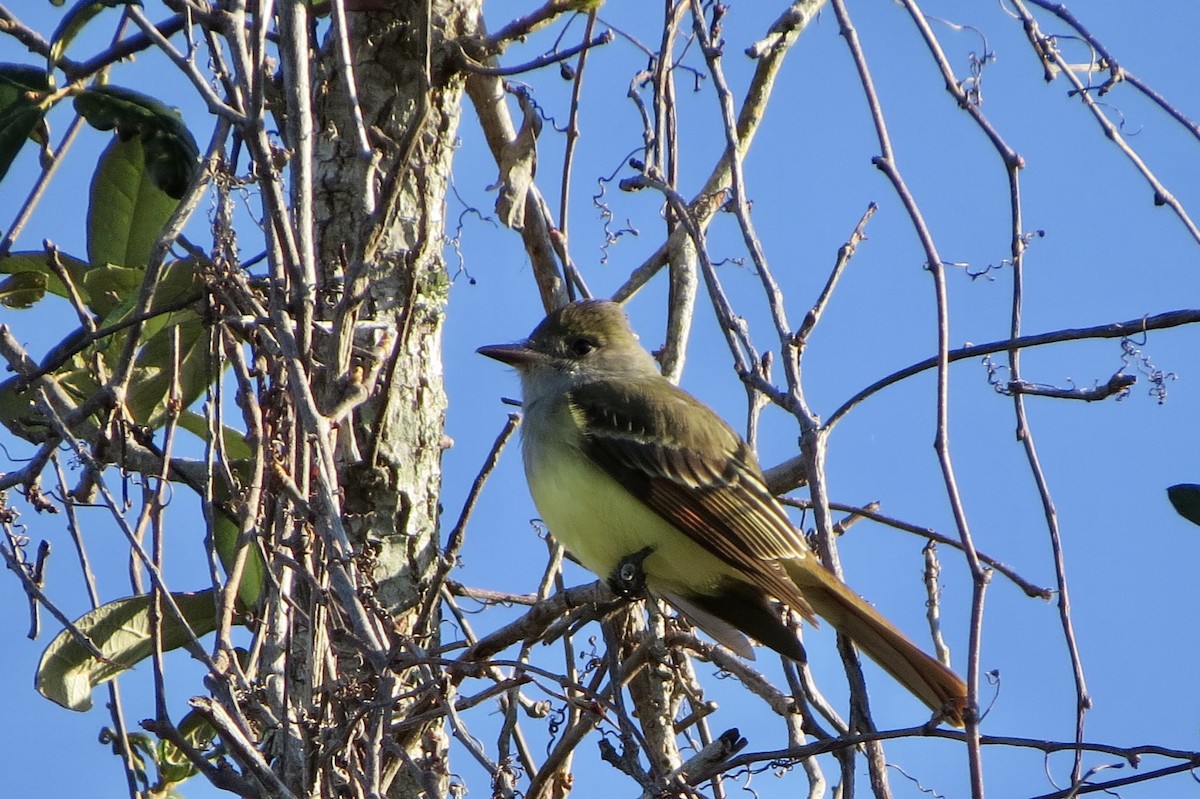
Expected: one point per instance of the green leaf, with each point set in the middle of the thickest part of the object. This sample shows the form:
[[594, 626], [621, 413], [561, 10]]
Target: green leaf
[[21, 111], [137, 764], [178, 281], [22, 290], [18, 81], [171, 155], [225, 529], [111, 287], [225, 538], [78, 378], [127, 210], [234, 440], [19, 411], [20, 414], [68, 673], [39, 263], [173, 765], [73, 22], [150, 387], [1185, 497], [151, 384]]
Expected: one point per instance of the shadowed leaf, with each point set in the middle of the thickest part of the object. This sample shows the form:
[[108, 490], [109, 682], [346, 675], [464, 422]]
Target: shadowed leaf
[[75, 20], [20, 109], [1185, 497], [225, 538], [234, 440], [171, 155], [127, 211], [19, 408]]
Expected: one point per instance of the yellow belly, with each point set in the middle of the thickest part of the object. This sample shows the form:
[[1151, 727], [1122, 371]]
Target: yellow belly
[[600, 524]]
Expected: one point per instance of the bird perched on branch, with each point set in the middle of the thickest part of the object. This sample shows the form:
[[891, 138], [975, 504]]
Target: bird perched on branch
[[631, 472]]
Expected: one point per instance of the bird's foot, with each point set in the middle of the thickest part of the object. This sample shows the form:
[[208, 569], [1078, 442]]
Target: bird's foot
[[628, 580]]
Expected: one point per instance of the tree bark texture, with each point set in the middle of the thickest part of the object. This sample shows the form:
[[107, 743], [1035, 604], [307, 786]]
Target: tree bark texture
[[379, 231]]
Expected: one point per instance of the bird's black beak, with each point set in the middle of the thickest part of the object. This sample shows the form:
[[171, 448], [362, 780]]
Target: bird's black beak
[[519, 354]]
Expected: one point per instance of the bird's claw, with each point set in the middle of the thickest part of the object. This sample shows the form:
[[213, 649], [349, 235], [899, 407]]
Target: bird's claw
[[628, 580]]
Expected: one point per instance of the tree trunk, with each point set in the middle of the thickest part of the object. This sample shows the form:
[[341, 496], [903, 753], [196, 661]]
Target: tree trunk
[[379, 230]]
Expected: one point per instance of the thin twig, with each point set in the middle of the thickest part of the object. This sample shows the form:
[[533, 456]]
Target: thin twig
[[49, 169], [457, 535], [36, 594], [240, 745], [476, 68], [1131, 327], [769, 53], [1116, 386], [845, 253], [487, 96], [216, 106], [1030, 589], [886, 162], [1047, 50], [562, 241], [1117, 70]]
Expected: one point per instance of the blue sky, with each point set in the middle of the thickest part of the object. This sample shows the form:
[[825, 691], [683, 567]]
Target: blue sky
[[1107, 254]]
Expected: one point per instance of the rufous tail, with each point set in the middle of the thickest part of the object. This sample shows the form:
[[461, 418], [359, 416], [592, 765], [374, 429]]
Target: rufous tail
[[928, 679]]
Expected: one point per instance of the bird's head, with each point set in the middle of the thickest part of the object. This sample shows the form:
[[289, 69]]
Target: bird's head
[[578, 343]]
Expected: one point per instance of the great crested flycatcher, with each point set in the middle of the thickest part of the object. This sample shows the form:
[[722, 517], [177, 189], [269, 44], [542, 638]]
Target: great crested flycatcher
[[623, 464]]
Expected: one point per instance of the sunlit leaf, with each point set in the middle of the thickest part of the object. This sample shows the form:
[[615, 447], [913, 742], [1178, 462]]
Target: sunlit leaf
[[177, 282], [68, 673], [73, 361], [173, 765], [39, 263], [22, 290], [109, 287], [150, 387], [171, 155], [1185, 497]]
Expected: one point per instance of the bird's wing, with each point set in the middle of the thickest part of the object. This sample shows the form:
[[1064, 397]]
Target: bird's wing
[[702, 478]]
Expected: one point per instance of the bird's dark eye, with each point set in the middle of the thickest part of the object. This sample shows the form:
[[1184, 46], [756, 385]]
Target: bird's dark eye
[[582, 346]]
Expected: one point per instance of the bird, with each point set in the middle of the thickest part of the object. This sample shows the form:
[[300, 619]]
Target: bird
[[639, 479]]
